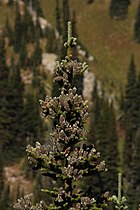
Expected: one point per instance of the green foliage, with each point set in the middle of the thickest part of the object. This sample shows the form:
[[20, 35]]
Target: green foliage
[[130, 115], [23, 56], [133, 191], [118, 9], [132, 125], [58, 18], [137, 26], [52, 44], [32, 122], [9, 32], [16, 103], [68, 159], [1, 170], [28, 30], [120, 202], [104, 134], [18, 29], [5, 199], [36, 58], [5, 93]]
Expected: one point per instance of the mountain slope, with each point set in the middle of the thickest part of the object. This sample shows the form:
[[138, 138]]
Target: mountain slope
[[109, 41]]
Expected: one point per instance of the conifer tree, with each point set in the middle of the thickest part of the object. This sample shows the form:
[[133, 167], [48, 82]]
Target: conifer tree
[[6, 201], [118, 9], [9, 32], [130, 116], [17, 100], [103, 133], [137, 26], [32, 122], [106, 143], [58, 18], [38, 87], [5, 120], [36, 58], [1, 170], [41, 182], [133, 191], [23, 55], [61, 50], [92, 138], [78, 80], [94, 114], [28, 30], [18, 28], [51, 45], [69, 158], [111, 158]]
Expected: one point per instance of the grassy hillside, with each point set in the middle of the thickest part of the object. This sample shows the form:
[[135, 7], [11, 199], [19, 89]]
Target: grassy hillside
[[109, 41]]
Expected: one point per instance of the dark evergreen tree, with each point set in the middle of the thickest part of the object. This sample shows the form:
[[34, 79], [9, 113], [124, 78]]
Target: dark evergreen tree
[[138, 99], [38, 86], [5, 120], [107, 144], [94, 120], [118, 9], [6, 202], [111, 159], [133, 191], [39, 33], [33, 125], [17, 100], [23, 55], [36, 58], [18, 28], [28, 30], [9, 32], [39, 184], [94, 114], [58, 18], [69, 158], [130, 117], [1, 171], [103, 133], [61, 50], [51, 46], [137, 26]]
